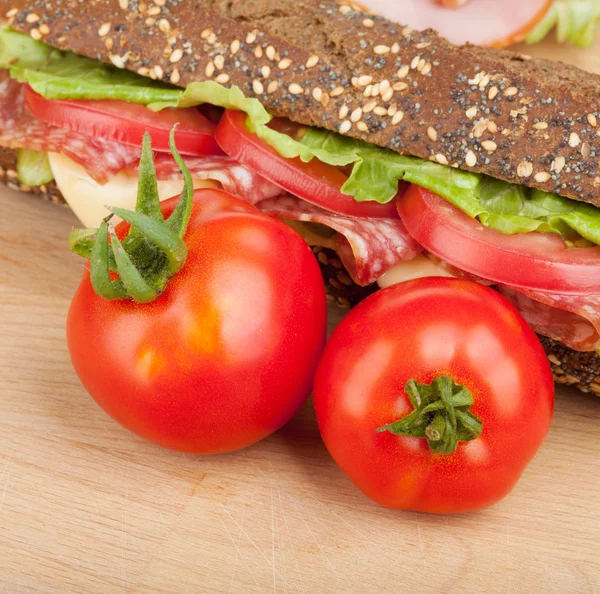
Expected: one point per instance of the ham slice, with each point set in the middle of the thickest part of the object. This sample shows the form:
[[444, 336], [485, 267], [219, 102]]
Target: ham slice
[[19, 129], [452, 3], [367, 247], [495, 23]]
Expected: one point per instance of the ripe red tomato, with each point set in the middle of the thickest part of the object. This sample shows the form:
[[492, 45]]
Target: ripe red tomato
[[426, 329], [315, 182], [227, 354], [126, 122], [538, 261]]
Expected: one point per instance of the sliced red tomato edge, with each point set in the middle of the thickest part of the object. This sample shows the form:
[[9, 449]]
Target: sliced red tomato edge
[[202, 143], [250, 150], [545, 266]]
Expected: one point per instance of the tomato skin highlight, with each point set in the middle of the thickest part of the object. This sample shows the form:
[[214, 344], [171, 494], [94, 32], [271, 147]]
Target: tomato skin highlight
[[424, 329], [315, 182], [126, 122], [227, 354]]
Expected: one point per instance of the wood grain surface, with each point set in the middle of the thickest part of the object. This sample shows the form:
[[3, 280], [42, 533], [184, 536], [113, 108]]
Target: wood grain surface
[[87, 507]]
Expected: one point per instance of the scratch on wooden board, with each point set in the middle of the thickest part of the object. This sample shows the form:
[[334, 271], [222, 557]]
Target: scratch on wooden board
[[380, 550], [253, 463], [509, 572], [281, 545], [6, 472], [107, 426], [237, 546], [421, 544], [160, 544], [123, 535], [282, 550], [237, 549], [276, 536], [246, 534], [273, 539], [287, 529], [314, 537], [342, 519]]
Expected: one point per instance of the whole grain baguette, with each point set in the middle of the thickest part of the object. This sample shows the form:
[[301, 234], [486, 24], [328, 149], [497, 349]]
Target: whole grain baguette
[[323, 63]]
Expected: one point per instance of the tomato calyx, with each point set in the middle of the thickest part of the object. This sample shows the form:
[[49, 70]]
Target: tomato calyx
[[441, 415], [140, 266]]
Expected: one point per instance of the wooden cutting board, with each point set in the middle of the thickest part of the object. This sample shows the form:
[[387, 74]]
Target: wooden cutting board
[[87, 507]]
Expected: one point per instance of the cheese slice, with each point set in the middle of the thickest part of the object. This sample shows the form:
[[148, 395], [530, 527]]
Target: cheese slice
[[419, 267], [87, 198]]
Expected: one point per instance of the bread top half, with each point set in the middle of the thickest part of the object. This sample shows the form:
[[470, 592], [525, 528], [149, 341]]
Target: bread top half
[[325, 63]]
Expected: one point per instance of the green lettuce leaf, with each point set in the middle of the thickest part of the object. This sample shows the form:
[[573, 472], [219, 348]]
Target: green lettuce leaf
[[510, 208], [575, 21], [64, 75], [506, 207], [18, 47], [257, 121], [377, 171], [33, 168]]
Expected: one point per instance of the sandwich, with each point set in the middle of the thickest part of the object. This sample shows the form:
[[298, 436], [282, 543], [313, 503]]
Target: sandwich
[[394, 153]]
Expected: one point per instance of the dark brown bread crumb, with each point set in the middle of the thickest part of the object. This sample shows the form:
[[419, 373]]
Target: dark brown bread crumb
[[322, 63], [581, 370], [340, 288]]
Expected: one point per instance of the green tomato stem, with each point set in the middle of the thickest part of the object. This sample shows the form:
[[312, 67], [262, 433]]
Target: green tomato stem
[[441, 415], [153, 250], [179, 219], [173, 246], [99, 268], [135, 285]]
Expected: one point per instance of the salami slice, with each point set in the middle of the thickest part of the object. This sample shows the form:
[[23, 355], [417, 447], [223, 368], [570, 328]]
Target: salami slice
[[496, 23], [573, 320], [367, 247], [19, 129], [234, 178]]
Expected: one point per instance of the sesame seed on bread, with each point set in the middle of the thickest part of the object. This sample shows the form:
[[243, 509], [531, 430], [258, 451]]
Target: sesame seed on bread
[[324, 63]]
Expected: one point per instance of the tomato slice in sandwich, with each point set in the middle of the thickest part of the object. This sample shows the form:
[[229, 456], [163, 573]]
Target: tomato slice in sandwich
[[126, 122], [538, 261], [315, 182]]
